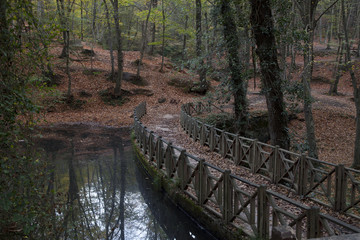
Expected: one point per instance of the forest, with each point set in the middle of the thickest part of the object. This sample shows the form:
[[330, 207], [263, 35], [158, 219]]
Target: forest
[[94, 61]]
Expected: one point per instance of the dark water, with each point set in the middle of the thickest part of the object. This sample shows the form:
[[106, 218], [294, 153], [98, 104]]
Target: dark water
[[106, 193]]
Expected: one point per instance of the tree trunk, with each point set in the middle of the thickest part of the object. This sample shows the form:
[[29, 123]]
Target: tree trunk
[[358, 32], [185, 38], [253, 57], [143, 46], [201, 67], [320, 30], [110, 41], [236, 69], [163, 36], [307, 10], [81, 21], [93, 29], [262, 23], [153, 38], [66, 46], [338, 71], [306, 79], [63, 22], [356, 87], [117, 90], [207, 42], [356, 162], [329, 32]]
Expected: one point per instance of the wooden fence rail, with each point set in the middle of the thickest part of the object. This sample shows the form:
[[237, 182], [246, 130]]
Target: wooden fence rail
[[243, 204], [331, 185]]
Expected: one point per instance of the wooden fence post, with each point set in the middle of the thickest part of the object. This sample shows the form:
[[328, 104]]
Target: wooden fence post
[[303, 177], [340, 187], [228, 197], [202, 183], [202, 134], [137, 133], [212, 138], [195, 129], [191, 129], [144, 111], [182, 167], [237, 150], [141, 138], [313, 222], [223, 144], [159, 152], [182, 118], [169, 160], [276, 166], [254, 156], [262, 214], [144, 141], [188, 125], [151, 145], [198, 108]]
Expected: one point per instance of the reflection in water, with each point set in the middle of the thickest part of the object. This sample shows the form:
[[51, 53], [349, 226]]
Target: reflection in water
[[109, 197]]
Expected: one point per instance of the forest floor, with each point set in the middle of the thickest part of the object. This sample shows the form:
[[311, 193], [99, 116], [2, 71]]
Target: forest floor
[[334, 115]]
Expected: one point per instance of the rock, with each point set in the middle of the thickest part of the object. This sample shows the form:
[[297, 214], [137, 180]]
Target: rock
[[161, 100], [84, 94], [130, 77], [141, 91], [88, 52], [200, 88], [283, 233]]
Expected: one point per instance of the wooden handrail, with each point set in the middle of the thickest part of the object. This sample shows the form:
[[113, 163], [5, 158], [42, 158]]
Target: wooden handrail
[[311, 171]]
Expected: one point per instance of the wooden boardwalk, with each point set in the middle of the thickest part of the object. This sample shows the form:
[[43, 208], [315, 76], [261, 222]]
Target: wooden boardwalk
[[207, 177]]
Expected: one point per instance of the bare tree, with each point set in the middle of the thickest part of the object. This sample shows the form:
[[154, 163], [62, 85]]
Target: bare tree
[[338, 70], [163, 35], [153, 30], [143, 44], [120, 58], [307, 9], [110, 40]]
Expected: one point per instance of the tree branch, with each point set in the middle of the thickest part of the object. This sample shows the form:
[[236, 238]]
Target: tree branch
[[315, 22]]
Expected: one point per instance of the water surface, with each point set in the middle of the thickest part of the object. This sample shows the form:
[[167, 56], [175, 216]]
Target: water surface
[[106, 194]]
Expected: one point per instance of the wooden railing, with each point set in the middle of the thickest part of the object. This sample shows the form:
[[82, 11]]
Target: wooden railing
[[243, 204], [331, 185]]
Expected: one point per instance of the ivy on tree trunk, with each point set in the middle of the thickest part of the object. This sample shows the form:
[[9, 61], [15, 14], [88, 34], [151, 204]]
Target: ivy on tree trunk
[[263, 29], [238, 82]]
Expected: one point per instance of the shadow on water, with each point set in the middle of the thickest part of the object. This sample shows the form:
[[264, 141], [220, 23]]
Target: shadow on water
[[103, 193]]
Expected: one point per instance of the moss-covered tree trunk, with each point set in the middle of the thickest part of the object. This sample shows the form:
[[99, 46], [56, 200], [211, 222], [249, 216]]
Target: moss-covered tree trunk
[[201, 66], [263, 29], [232, 44], [307, 9]]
